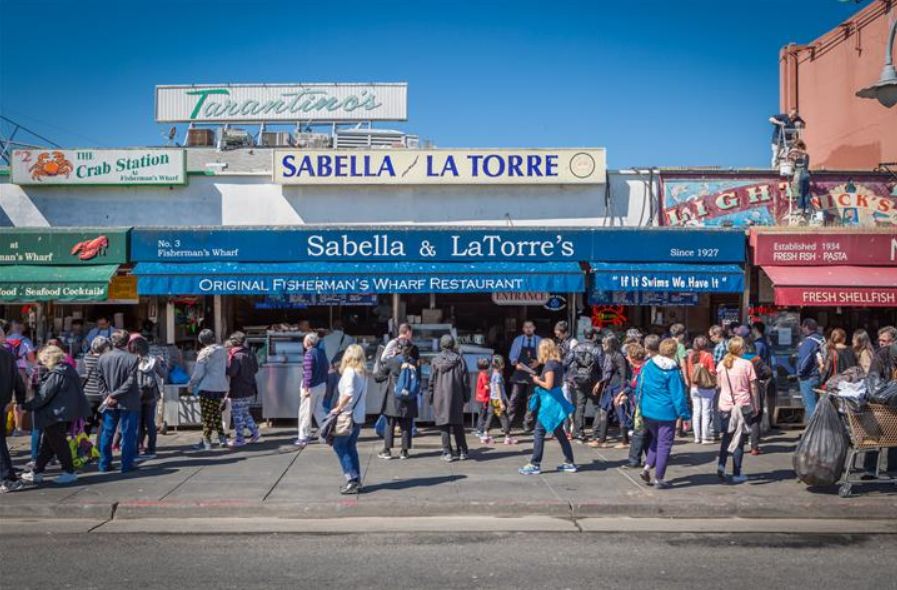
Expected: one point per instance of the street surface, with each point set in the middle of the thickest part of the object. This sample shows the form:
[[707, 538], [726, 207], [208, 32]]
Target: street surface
[[514, 561]]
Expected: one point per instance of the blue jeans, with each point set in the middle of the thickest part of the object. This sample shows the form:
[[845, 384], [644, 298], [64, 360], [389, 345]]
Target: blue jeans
[[809, 396], [539, 443], [35, 440], [148, 427], [346, 448], [129, 421], [738, 455]]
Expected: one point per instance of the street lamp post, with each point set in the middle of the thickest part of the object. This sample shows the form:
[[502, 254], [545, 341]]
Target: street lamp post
[[885, 90]]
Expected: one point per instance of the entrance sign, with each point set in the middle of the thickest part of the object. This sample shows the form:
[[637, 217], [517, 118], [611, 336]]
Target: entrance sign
[[467, 166], [141, 166], [258, 103], [523, 298]]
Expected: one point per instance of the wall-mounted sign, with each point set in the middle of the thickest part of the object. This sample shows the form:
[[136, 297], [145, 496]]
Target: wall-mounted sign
[[525, 298], [404, 244], [29, 246], [467, 166], [669, 277], [742, 200], [123, 288], [556, 303], [230, 103], [870, 248], [634, 298], [149, 166], [836, 296], [304, 301]]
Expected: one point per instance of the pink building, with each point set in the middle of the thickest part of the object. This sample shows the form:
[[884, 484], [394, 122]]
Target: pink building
[[821, 79]]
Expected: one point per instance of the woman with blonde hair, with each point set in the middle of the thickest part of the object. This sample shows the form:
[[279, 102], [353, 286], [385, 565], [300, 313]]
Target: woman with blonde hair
[[551, 410], [663, 400], [738, 403], [352, 390], [58, 401]]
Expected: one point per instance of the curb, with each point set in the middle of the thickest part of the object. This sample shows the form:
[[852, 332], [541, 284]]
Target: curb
[[92, 511]]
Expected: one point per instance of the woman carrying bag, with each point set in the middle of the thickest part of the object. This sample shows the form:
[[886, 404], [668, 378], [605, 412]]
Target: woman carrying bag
[[346, 418], [738, 403]]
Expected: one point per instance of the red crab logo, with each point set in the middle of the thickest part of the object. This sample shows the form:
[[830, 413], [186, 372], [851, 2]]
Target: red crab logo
[[608, 315], [46, 165], [91, 248]]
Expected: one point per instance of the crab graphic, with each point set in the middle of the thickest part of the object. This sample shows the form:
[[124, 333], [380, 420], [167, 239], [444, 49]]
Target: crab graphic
[[90, 248], [49, 164], [608, 315]]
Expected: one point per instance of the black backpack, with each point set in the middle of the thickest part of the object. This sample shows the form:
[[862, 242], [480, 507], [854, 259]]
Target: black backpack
[[585, 364]]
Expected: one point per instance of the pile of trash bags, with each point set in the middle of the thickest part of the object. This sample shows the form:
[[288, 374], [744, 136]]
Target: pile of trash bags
[[857, 389], [821, 453]]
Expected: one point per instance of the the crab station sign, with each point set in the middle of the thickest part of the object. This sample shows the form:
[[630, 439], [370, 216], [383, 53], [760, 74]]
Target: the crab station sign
[[149, 166]]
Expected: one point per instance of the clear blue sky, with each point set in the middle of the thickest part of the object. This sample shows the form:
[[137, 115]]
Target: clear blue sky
[[658, 82]]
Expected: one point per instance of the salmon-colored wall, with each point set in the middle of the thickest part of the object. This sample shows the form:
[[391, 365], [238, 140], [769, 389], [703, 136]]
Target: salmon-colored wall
[[843, 131]]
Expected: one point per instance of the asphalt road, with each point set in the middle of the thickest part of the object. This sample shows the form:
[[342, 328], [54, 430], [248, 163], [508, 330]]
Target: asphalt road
[[519, 561]]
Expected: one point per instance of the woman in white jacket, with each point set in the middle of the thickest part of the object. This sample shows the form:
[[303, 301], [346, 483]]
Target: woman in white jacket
[[209, 382]]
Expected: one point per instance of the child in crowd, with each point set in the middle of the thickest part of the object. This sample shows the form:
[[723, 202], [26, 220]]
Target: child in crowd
[[482, 394], [498, 403]]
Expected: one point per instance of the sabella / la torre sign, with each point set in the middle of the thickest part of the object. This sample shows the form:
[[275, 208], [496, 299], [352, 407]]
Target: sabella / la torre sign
[[258, 103]]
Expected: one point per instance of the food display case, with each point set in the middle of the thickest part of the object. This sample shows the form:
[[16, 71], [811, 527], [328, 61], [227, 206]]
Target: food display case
[[280, 375]]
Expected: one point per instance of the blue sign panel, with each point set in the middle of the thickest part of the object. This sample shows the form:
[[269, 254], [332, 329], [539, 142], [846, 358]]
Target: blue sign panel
[[355, 278], [632, 298], [708, 278], [304, 301], [393, 244]]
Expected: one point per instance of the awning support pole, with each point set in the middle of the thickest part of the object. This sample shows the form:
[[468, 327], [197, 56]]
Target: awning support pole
[[169, 323], [219, 319]]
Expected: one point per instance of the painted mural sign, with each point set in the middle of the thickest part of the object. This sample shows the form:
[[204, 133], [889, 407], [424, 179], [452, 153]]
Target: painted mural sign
[[229, 103], [89, 166], [743, 200], [461, 166]]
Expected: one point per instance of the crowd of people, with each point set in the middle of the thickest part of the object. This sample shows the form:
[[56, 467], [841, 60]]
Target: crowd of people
[[647, 390]]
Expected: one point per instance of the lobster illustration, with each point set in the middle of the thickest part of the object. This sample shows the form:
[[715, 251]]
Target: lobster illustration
[[47, 166], [91, 248]]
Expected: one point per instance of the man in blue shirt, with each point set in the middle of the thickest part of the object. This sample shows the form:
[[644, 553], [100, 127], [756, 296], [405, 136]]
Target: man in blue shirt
[[808, 362], [523, 356], [102, 328]]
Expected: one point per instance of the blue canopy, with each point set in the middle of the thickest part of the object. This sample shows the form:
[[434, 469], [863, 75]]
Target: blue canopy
[[246, 278], [682, 278]]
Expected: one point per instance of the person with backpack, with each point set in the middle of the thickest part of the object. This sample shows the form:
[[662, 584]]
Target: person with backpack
[[584, 369], [402, 374], [700, 377], [242, 367], [809, 363], [498, 403], [151, 371]]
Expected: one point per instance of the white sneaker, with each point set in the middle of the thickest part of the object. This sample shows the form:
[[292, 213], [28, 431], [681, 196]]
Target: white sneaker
[[32, 477], [66, 478], [739, 478]]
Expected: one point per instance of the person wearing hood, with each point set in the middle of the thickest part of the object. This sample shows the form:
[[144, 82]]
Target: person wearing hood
[[663, 400], [209, 382], [448, 391], [151, 370], [58, 401], [398, 411]]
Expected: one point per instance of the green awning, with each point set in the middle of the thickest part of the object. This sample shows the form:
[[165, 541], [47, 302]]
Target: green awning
[[55, 283]]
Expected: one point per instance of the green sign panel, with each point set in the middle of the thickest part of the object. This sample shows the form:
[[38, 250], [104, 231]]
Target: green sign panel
[[60, 247], [55, 283]]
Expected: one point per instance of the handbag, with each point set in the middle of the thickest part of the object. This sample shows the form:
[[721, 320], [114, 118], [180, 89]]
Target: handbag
[[701, 377], [746, 411], [340, 424]]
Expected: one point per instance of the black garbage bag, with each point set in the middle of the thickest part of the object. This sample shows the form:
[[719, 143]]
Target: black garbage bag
[[885, 394], [821, 453]]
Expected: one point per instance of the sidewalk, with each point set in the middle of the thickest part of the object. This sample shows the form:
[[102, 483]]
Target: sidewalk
[[272, 480]]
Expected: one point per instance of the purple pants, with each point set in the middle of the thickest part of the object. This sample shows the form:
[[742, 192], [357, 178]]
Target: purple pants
[[662, 436]]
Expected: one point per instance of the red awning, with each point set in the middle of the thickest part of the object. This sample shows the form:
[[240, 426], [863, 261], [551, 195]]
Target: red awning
[[824, 286]]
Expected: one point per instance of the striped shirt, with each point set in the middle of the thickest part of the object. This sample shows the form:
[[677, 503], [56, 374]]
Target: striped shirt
[[91, 381]]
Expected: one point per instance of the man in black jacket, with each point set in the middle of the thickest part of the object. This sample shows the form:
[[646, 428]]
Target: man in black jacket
[[10, 384], [117, 371]]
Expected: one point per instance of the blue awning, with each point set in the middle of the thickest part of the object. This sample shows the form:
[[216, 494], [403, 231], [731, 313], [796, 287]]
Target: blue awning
[[245, 278], [681, 278]]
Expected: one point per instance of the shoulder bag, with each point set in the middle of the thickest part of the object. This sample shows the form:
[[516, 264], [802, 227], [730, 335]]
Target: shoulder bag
[[340, 424]]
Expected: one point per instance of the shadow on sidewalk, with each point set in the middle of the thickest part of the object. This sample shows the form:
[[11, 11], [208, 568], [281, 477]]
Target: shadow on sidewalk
[[420, 482]]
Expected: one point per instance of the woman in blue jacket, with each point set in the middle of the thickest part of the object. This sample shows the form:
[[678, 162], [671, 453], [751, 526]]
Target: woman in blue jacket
[[663, 399]]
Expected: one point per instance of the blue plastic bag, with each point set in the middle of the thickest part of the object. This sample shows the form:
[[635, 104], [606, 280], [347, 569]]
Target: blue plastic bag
[[380, 426], [177, 376]]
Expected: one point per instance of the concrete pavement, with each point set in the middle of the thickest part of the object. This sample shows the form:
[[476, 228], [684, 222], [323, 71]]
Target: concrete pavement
[[272, 480]]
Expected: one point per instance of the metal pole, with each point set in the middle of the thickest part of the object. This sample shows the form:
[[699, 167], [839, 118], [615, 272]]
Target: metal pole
[[396, 308], [169, 323]]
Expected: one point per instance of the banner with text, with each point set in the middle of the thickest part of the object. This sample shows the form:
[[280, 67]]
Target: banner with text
[[28, 246], [462, 166], [870, 248], [88, 166]]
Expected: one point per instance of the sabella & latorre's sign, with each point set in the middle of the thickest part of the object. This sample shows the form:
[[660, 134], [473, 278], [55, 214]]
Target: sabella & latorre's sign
[[248, 103]]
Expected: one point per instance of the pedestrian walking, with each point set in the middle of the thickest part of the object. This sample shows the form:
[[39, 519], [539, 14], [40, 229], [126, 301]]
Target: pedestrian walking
[[57, 402], [809, 364], [449, 390], [98, 347], [615, 373], [242, 367], [12, 393], [738, 404], [117, 371], [523, 359], [551, 409], [663, 400], [584, 370], [209, 383], [315, 367], [151, 372], [497, 404], [700, 377], [352, 391], [565, 343], [399, 406], [641, 438]]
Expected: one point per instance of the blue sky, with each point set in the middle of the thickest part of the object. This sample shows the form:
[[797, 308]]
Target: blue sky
[[658, 83]]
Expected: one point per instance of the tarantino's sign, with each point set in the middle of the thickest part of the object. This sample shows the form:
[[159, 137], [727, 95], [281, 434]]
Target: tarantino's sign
[[860, 249], [467, 166]]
